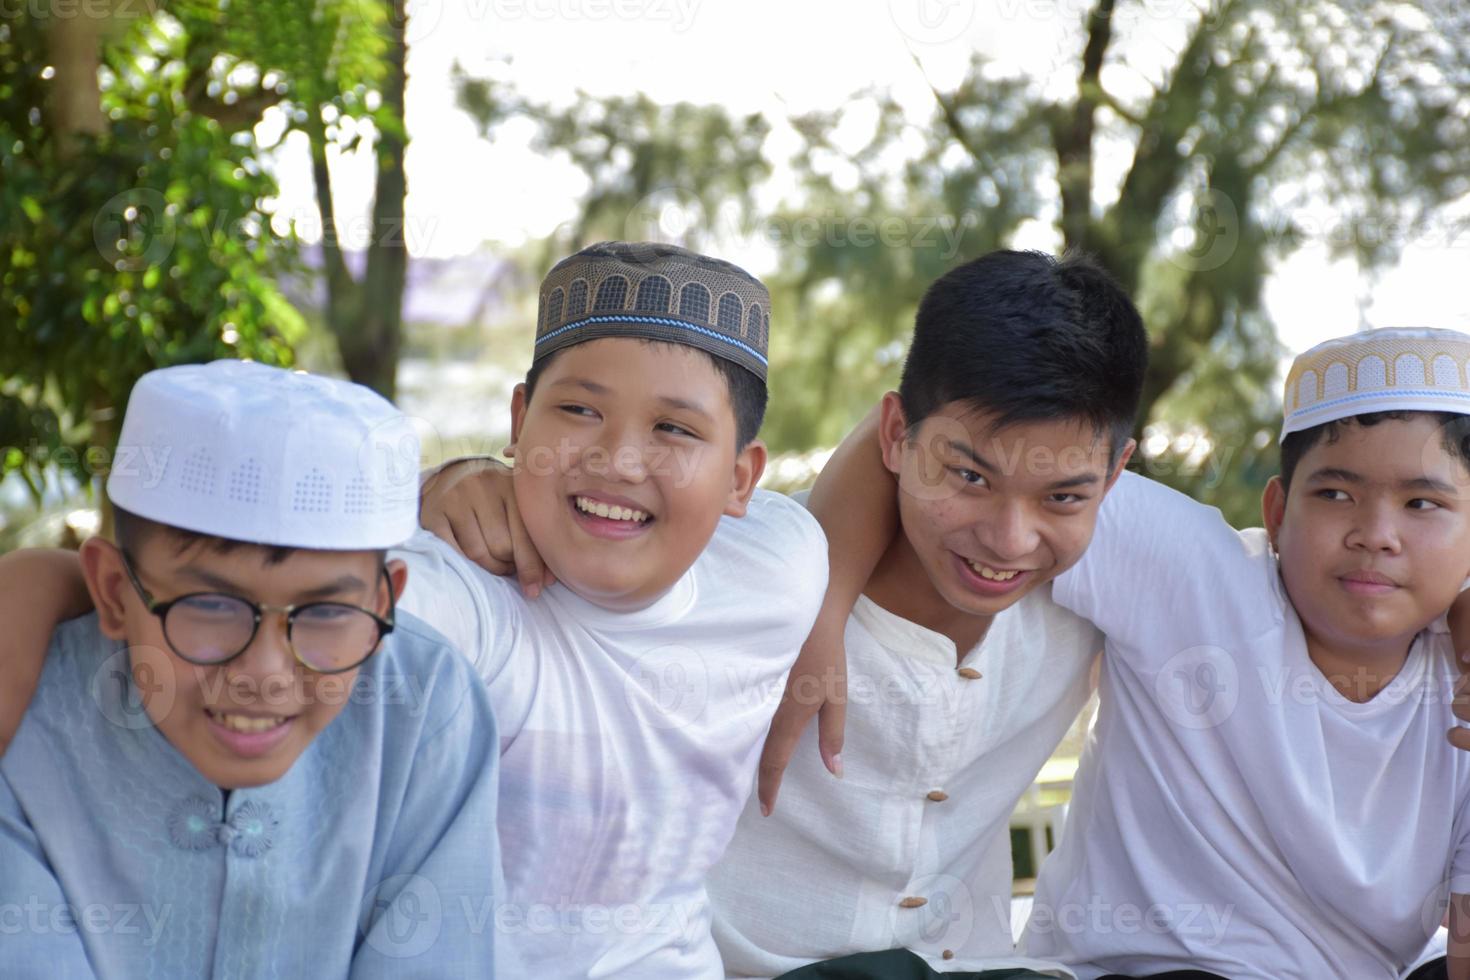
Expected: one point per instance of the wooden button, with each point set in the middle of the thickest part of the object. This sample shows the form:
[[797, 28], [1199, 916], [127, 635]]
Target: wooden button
[[948, 954], [969, 673], [938, 795], [913, 902]]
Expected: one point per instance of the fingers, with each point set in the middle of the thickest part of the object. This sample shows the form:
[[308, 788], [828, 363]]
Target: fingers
[[786, 727], [531, 571], [831, 720], [1460, 737], [1461, 703]]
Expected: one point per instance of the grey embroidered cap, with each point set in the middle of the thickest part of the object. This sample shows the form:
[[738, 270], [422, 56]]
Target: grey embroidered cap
[[659, 292]]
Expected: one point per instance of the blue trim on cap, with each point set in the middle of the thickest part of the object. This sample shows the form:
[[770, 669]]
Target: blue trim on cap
[[661, 321], [1385, 393]]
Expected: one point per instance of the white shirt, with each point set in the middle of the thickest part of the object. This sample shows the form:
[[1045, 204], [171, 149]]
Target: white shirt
[[1234, 812], [934, 763], [629, 741]]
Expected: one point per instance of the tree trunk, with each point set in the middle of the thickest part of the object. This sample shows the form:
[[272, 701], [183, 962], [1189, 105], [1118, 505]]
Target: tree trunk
[[74, 44]]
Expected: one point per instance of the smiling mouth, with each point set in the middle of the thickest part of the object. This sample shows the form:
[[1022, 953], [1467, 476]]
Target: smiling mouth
[[610, 512], [994, 575], [246, 724]]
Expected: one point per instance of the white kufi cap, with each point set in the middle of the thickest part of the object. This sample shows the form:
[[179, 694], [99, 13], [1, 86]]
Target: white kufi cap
[[1395, 370], [252, 453]]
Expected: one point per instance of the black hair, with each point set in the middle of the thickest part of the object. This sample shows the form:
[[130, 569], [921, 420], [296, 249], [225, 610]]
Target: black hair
[[1454, 435], [747, 392], [131, 530], [1028, 337]]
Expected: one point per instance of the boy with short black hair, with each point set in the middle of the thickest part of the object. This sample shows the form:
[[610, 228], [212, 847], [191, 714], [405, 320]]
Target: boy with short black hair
[[247, 762]]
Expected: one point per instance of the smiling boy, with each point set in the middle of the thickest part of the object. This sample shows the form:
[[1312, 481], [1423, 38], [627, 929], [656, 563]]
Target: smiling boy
[[633, 695], [217, 751]]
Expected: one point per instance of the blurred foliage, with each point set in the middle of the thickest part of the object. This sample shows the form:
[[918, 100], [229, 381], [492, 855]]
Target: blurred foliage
[[135, 221], [138, 246], [1272, 111]]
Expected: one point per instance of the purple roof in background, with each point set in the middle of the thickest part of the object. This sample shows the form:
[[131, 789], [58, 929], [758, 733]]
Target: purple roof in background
[[451, 292]]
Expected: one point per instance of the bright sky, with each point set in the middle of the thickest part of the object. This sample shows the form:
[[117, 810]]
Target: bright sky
[[781, 57]]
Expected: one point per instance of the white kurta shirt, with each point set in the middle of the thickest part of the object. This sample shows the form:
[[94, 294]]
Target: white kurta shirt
[[937, 754]]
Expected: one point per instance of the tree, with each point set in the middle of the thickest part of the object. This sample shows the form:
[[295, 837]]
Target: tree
[[131, 233]]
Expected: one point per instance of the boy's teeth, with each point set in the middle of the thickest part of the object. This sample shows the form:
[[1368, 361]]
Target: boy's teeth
[[245, 723], [990, 573], [611, 511]]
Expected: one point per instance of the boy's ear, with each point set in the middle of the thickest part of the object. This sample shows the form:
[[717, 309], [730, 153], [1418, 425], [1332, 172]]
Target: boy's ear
[[893, 429], [1122, 464], [750, 463], [102, 567], [518, 403], [1273, 508], [397, 577]]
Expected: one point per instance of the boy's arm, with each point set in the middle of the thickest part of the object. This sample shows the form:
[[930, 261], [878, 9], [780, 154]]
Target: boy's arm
[[471, 504], [433, 913], [1459, 618], [36, 948], [853, 500], [39, 589], [1457, 954]]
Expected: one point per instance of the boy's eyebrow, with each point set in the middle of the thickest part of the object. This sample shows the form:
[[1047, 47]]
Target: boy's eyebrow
[[589, 385], [345, 583], [686, 405], [1337, 474], [668, 400], [1081, 480], [1414, 483]]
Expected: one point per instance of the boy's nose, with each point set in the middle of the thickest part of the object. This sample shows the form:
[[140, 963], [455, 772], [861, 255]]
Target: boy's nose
[[1009, 533], [267, 663], [1375, 530]]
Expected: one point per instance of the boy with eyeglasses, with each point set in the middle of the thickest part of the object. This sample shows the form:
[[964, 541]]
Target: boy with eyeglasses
[[245, 762]]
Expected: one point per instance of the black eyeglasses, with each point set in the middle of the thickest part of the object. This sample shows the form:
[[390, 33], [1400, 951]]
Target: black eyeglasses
[[212, 628]]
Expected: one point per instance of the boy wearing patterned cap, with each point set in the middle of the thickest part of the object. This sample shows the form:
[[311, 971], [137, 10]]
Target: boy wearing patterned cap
[[247, 762], [634, 694]]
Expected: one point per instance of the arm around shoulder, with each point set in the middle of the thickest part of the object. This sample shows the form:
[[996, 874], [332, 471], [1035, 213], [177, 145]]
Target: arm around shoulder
[[39, 589]]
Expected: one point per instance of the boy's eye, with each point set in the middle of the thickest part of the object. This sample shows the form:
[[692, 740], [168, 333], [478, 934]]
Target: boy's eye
[[576, 410], [1420, 503], [1330, 494], [674, 428], [1066, 498], [969, 476]]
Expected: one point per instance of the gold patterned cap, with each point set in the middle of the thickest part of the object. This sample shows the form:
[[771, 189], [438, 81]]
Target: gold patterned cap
[[1394, 370], [657, 292]]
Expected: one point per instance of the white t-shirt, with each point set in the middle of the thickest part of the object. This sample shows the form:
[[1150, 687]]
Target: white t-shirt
[[828, 872], [629, 741], [1234, 812]]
